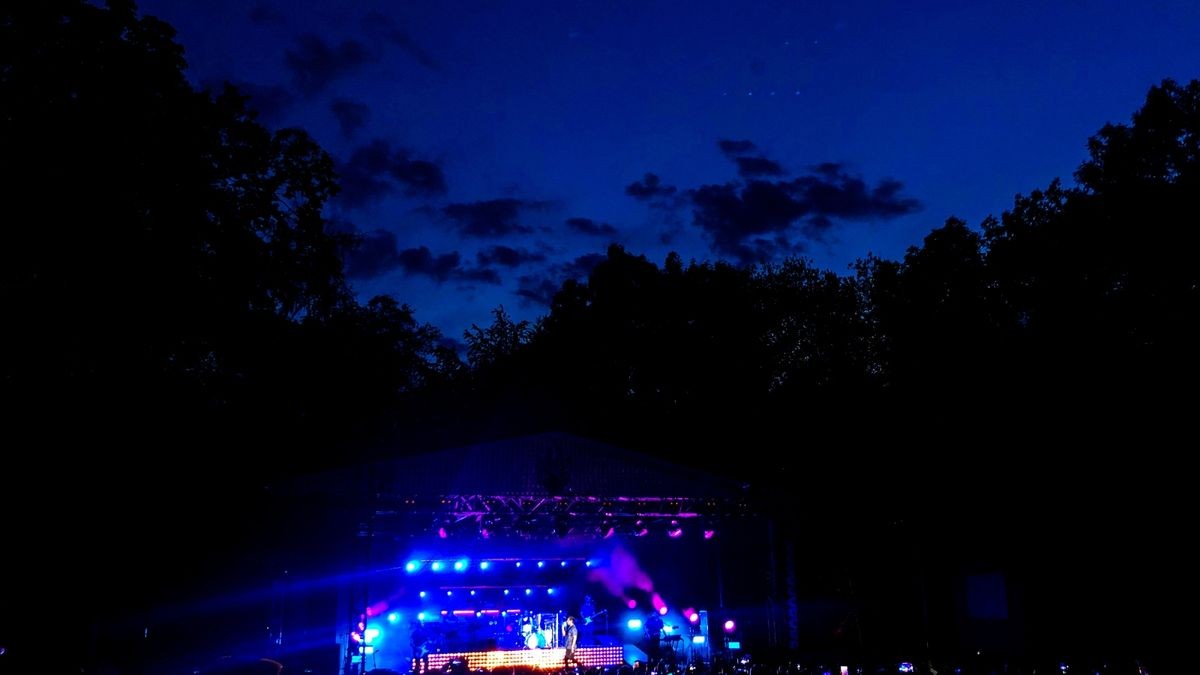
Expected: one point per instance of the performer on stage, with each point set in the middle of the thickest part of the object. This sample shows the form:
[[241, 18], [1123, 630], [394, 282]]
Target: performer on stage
[[654, 632], [588, 613], [570, 639], [419, 639], [654, 627]]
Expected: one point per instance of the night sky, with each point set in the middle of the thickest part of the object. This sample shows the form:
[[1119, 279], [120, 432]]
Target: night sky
[[490, 150]]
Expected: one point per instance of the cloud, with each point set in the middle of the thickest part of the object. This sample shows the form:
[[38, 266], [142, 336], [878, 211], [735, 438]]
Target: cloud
[[539, 289], [591, 227], [757, 220], [377, 254], [757, 167], [382, 26], [735, 148], [732, 214], [351, 116], [832, 192], [507, 256], [363, 178], [264, 14], [374, 255], [418, 176], [536, 289], [664, 199], [749, 166], [649, 187], [672, 228], [376, 169], [315, 64], [421, 261], [581, 267], [486, 275], [491, 218]]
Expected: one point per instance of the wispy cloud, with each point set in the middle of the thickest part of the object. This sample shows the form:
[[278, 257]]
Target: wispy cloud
[[315, 63], [377, 169]]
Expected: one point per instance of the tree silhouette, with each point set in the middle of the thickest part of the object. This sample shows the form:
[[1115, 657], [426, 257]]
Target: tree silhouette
[[178, 328], [503, 338], [1101, 277], [167, 265]]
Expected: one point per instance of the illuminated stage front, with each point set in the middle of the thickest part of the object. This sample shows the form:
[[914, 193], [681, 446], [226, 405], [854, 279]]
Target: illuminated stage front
[[544, 659], [484, 558]]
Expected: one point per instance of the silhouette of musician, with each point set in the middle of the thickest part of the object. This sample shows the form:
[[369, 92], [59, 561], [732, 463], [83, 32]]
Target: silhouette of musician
[[420, 641], [654, 632]]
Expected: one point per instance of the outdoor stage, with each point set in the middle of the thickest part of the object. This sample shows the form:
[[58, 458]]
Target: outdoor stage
[[485, 558]]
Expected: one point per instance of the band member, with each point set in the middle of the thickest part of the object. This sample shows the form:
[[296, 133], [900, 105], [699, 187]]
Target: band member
[[419, 639], [587, 613], [654, 627], [570, 639], [654, 632]]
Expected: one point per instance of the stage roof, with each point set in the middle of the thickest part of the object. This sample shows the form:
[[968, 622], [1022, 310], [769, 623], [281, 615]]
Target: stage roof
[[550, 484]]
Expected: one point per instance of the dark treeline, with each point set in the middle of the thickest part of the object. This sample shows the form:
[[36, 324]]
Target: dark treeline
[[166, 264], [1069, 320], [179, 328]]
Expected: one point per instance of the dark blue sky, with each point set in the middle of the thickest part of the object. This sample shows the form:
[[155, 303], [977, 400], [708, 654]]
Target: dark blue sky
[[491, 149]]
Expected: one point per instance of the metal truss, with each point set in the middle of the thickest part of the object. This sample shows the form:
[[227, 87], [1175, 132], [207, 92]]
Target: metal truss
[[544, 517]]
